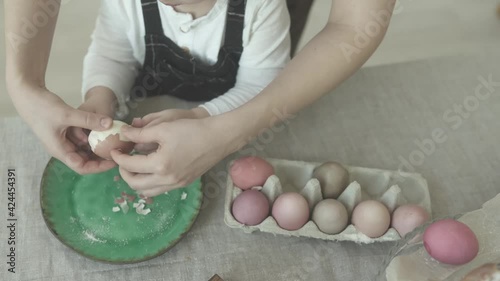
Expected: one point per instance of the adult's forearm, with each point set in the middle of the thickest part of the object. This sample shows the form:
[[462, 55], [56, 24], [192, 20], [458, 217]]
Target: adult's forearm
[[29, 30], [337, 52]]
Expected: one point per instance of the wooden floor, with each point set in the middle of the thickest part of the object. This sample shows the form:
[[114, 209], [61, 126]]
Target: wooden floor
[[420, 29]]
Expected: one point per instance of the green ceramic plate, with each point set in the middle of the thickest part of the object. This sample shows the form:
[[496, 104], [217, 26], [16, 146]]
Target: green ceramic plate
[[78, 210]]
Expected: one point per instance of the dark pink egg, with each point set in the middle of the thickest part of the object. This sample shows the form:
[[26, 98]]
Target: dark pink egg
[[251, 207]]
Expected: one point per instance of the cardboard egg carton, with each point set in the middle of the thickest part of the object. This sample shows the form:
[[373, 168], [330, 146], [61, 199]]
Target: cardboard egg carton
[[393, 188]]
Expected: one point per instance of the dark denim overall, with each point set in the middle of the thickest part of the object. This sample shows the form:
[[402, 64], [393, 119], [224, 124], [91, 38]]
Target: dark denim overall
[[170, 70]]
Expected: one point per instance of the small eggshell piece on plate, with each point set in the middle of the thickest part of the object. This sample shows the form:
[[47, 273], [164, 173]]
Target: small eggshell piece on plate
[[408, 217], [372, 218], [248, 172], [451, 242], [251, 207], [291, 211]]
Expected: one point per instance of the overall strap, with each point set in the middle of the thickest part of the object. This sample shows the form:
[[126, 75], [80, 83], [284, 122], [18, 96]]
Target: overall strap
[[235, 23], [152, 19]]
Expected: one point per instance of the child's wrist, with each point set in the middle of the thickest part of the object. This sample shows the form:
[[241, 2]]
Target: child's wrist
[[100, 93], [199, 113]]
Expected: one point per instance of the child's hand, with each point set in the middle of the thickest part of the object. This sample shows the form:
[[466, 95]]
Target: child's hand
[[168, 115], [98, 100]]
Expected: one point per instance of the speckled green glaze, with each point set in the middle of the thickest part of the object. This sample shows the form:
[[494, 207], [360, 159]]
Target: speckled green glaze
[[78, 211]]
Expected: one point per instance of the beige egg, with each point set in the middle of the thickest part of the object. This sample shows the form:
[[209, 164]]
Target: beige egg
[[103, 142], [291, 211], [333, 178], [330, 216], [372, 218]]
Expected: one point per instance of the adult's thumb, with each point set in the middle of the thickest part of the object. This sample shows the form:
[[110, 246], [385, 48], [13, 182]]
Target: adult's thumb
[[88, 120]]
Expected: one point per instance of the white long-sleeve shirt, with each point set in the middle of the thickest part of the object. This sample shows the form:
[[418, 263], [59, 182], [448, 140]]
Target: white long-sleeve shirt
[[117, 50]]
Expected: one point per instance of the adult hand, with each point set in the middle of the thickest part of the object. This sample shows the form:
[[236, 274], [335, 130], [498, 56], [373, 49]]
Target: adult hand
[[99, 100], [168, 115], [49, 118], [187, 148]]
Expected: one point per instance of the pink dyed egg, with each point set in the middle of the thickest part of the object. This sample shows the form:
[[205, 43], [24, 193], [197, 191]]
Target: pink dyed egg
[[451, 242], [251, 207], [291, 211], [408, 217], [250, 171]]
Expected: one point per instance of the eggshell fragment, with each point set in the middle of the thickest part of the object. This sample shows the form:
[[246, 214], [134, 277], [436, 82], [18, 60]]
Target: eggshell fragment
[[372, 218], [487, 272], [103, 142], [451, 242], [333, 178], [251, 207], [408, 217], [248, 172], [291, 211], [330, 216]]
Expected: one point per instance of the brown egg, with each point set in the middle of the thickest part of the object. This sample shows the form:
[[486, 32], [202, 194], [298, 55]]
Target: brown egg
[[330, 216], [103, 142], [333, 178], [372, 218]]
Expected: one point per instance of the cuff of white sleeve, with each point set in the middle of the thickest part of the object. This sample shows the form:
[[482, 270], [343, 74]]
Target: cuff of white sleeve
[[212, 109]]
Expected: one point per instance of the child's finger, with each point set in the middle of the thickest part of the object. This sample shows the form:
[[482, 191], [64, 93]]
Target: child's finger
[[157, 121], [140, 135], [152, 116], [79, 133], [138, 123], [77, 136]]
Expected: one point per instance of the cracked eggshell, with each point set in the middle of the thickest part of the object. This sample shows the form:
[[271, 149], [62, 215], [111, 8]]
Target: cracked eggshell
[[333, 178], [487, 272], [103, 142]]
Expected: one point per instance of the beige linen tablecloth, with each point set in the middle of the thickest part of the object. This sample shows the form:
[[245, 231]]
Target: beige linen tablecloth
[[373, 120]]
